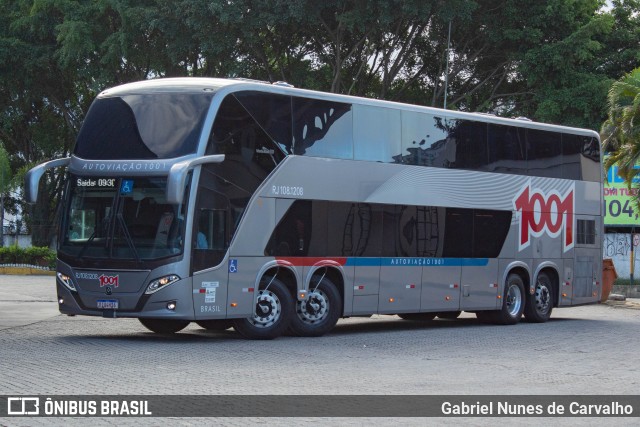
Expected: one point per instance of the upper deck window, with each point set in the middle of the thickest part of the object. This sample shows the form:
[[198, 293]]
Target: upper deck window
[[322, 128], [143, 126]]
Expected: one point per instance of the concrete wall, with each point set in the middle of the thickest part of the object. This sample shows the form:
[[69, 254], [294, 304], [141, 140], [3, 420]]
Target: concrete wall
[[617, 246], [24, 241]]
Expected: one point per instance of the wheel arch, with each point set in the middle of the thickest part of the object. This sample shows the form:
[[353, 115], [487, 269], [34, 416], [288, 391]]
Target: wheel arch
[[521, 269], [332, 271], [284, 271]]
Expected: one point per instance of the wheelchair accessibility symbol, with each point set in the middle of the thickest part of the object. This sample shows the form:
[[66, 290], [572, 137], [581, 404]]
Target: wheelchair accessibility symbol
[[127, 186], [233, 266]]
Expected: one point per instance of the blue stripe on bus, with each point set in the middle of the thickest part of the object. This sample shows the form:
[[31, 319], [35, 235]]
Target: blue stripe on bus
[[417, 262]]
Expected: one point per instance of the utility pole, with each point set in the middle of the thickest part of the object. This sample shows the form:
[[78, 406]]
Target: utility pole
[[446, 71]]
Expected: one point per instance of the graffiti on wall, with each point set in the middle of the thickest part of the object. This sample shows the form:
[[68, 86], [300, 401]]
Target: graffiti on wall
[[619, 244]]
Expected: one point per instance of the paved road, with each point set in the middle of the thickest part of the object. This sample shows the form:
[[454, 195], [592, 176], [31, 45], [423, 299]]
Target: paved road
[[26, 299], [582, 350]]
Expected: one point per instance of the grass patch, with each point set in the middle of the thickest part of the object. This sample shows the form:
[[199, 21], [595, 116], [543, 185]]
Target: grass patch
[[627, 282]]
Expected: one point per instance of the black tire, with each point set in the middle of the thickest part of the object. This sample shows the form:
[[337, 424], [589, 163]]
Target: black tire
[[273, 311], [417, 317], [513, 301], [539, 305], [450, 315], [215, 325], [319, 313], [164, 326]]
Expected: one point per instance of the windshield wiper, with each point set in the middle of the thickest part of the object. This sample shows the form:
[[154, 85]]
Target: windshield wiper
[[87, 243], [127, 236]]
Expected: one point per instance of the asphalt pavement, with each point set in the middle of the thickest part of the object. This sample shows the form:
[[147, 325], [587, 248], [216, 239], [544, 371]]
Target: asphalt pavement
[[26, 299]]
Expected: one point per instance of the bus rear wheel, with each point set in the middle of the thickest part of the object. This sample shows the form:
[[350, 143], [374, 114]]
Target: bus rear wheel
[[164, 326], [215, 325], [512, 302], [272, 315], [538, 307], [319, 313]]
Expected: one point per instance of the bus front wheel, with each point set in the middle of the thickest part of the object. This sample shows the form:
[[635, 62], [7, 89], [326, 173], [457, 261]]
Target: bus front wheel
[[319, 313], [272, 315], [164, 326]]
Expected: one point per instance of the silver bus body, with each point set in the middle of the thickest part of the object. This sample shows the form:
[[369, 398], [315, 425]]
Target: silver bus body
[[397, 208]]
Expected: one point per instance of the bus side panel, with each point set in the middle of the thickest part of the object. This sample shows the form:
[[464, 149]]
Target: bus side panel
[[440, 288], [566, 283], [243, 285], [479, 286], [400, 289], [546, 248], [366, 285], [210, 293], [587, 283]]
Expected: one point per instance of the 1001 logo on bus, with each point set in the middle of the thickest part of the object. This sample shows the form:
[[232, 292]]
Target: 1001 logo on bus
[[108, 280], [540, 213]]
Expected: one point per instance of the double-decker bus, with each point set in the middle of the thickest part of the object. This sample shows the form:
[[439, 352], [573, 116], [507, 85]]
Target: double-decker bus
[[271, 209]]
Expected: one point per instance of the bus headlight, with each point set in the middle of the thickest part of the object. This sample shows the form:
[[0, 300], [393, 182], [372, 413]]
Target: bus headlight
[[160, 283], [66, 281]]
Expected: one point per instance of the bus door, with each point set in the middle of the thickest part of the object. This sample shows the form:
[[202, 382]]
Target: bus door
[[209, 244]]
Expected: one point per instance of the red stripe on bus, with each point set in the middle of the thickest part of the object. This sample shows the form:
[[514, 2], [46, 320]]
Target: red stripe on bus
[[310, 261]]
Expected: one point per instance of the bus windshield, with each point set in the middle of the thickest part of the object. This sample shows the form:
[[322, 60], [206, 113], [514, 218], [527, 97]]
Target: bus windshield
[[143, 126], [121, 218]]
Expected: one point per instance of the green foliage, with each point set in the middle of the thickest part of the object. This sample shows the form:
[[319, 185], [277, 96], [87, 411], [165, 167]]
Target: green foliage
[[550, 60], [626, 282], [620, 133], [37, 256], [5, 170]]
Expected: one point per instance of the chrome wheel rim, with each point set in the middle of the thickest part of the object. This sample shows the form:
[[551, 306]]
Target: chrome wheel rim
[[513, 300], [543, 297], [315, 308], [268, 309]]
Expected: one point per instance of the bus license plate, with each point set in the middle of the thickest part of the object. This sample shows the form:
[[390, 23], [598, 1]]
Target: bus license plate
[[110, 304]]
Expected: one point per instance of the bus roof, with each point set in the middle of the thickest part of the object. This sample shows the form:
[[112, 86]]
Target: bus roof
[[226, 86]]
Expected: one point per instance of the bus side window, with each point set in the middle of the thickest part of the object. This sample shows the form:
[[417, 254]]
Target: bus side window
[[471, 144], [322, 128], [544, 153], [507, 149], [212, 230]]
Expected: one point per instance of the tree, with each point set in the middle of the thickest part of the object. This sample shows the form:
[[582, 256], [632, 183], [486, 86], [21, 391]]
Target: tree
[[56, 56], [5, 185], [621, 131], [550, 60]]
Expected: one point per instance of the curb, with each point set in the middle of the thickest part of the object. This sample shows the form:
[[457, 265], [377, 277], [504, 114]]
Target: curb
[[26, 271], [633, 305]]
